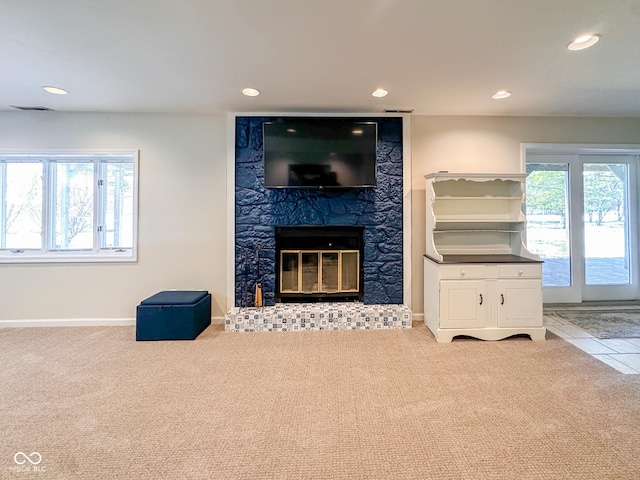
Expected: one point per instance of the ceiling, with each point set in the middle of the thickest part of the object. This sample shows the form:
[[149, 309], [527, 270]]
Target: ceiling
[[435, 57]]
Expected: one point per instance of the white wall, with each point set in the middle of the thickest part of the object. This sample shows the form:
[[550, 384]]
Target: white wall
[[490, 144], [182, 215]]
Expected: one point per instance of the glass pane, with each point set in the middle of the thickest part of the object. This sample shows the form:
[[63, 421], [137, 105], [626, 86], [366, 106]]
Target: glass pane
[[350, 271], [289, 273], [118, 206], [73, 200], [548, 221], [310, 272], [605, 224], [22, 195], [330, 272]]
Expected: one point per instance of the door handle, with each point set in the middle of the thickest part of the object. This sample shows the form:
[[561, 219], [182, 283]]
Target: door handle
[[502, 299], [480, 299]]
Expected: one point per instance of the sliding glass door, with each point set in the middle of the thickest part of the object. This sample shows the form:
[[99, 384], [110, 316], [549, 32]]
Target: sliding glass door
[[582, 221]]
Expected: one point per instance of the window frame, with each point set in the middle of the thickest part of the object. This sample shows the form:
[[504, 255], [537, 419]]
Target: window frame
[[97, 253]]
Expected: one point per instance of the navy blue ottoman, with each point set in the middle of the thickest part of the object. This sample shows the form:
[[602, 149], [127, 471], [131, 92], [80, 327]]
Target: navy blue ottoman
[[173, 315]]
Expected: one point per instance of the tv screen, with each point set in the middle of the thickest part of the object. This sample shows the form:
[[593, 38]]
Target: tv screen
[[319, 153]]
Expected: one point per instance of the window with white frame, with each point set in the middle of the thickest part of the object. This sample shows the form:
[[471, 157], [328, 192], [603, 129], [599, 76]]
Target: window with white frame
[[68, 206]]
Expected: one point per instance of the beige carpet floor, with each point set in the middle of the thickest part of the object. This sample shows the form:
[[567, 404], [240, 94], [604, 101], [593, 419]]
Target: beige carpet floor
[[393, 404]]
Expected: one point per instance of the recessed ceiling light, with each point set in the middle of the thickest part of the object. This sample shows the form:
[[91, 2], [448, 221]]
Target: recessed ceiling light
[[585, 41], [380, 92], [55, 90], [250, 92], [501, 94]]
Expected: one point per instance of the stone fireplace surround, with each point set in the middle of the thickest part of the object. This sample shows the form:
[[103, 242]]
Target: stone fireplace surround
[[259, 211]]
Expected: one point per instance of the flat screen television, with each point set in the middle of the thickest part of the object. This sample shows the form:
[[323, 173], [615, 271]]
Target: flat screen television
[[325, 152]]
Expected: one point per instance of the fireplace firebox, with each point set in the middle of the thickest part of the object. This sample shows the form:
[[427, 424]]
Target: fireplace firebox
[[319, 264]]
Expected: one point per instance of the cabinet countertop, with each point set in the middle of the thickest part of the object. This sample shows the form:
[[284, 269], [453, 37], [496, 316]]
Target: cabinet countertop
[[487, 258]]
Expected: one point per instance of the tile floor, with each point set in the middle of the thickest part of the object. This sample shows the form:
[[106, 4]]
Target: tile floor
[[623, 354]]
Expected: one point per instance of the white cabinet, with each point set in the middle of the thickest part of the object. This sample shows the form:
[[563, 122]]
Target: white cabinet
[[520, 303], [479, 278], [485, 301], [463, 304]]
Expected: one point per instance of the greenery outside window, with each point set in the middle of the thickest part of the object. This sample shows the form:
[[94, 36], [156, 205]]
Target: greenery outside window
[[68, 206]]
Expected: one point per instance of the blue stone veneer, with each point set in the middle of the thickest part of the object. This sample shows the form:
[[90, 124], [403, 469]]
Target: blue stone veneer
[[260, 210]]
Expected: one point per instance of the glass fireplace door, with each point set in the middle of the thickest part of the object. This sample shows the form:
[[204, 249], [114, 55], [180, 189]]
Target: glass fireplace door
[[319, 271], [350, 271], [289, 265]]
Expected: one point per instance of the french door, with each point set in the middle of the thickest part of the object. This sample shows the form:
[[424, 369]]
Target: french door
[[582, 219]]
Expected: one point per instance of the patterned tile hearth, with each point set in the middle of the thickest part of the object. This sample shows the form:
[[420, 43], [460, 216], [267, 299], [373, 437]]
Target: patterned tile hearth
[[291, 317]]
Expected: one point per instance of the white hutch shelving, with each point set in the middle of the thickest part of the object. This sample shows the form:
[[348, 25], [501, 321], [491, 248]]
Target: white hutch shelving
[[479, 278]]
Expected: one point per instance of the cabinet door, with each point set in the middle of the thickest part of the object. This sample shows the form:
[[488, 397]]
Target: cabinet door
[[463, 304], [519, 303]]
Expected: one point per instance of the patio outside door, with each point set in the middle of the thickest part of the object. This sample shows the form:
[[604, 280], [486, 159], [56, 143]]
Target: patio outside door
[[582, 221]]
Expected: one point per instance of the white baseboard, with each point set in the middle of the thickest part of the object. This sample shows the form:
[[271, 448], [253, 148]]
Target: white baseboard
[[417, 317], [68, 322], [81, 322]]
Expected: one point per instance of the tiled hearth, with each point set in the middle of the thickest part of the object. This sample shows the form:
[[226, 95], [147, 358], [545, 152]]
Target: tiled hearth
[[290, 317]]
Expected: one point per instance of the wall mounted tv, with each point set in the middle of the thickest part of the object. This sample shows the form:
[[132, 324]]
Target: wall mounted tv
[[319, 152]]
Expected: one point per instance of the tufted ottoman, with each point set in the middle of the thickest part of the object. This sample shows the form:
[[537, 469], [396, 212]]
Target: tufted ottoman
[[173, 315]]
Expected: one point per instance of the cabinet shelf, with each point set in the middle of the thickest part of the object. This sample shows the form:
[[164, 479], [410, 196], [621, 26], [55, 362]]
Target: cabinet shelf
[[470, 218], [466, 231], [479, 224], [474, 213], [486, 197]]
